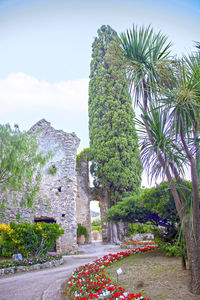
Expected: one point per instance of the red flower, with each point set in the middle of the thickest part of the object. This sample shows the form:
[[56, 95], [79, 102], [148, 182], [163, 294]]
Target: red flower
[[93, 281]]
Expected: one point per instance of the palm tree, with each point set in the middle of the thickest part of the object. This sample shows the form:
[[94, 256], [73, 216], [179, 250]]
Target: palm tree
[[183, 102], [168, 94]]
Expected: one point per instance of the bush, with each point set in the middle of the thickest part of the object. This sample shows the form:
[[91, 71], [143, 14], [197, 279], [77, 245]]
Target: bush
[[165, 234], [173, 250], [139, 228], [95, 227], [28, 239], [81, 230], [96, 222], [175, 247]]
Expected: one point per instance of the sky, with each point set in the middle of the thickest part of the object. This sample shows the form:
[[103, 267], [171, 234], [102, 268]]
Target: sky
[[45, 52]]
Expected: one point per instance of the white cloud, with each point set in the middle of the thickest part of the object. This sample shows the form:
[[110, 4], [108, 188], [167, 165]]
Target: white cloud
[[21, 91], [25, 100]]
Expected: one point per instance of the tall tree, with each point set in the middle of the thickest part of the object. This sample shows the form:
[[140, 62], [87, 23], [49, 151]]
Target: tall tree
[[20, 165], [114, 150], [168, 94]]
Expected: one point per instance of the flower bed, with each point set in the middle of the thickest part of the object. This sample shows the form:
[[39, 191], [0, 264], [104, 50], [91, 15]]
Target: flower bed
[[89, 281], [30, 264]]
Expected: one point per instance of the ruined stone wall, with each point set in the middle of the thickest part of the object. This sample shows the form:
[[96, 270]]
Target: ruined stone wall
[[86, 194], [83, 195], [57, 197], [65, 196]]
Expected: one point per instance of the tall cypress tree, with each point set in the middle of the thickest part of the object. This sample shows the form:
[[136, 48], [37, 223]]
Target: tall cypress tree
[[114, 147]]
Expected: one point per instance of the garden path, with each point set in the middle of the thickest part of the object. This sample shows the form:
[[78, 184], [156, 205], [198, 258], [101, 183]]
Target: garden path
[[46, 284]]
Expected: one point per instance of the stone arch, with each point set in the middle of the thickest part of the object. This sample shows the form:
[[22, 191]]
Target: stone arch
[[86, 194], [95, 216], [103, 210]]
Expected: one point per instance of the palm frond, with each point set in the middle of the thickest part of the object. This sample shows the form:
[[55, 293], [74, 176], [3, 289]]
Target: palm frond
[[144, 51], [162, 142]]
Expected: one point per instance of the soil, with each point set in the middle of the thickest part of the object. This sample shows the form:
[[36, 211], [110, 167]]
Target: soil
[[154, 275], [63, 291]]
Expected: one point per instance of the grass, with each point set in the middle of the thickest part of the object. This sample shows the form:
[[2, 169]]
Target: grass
[[154, 275]]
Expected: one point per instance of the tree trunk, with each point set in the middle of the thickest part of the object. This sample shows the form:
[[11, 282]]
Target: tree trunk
[[113, 230], [193, 252], [183, 260], [191, 228]]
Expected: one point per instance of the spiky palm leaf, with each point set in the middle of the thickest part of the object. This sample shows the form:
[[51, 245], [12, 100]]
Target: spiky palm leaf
[[160, 141], [146, 55], [183, 102]]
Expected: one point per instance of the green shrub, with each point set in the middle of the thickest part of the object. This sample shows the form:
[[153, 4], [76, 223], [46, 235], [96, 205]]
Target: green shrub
[[139, 228], [165, 234], [28, 239], [173, 250], [96, 222], [83, 155], [81, 230], [95, 227]]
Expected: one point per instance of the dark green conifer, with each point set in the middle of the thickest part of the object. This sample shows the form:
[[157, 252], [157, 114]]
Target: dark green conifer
[[114, 150]]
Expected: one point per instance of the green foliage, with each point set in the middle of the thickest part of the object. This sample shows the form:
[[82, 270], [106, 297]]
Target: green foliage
[[28, 239], [174, 249], [146, 57], [170, 124], [83, 155], [52, 170], [20, 165], [155, 205], [96, 222], [114, 148], [97, 227], [139, 228], [159, 200], [82, 230]]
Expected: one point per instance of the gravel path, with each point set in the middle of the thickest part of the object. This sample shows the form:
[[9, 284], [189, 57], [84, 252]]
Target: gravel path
[[46, 284]]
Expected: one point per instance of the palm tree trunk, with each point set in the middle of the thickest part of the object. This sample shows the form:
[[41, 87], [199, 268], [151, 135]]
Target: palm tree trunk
[[191, 234], [193, 252], [197, 145]]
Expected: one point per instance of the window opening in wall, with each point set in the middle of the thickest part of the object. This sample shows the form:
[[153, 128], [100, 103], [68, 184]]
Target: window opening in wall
[[60, 189], [95, 216], [63, 215]]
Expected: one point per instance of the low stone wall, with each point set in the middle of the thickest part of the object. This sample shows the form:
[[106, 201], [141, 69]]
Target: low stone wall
[[19, 269], [130, 247], [140, 237]]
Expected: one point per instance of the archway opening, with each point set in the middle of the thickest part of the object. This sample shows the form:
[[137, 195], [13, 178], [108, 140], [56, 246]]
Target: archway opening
[[95, 216]]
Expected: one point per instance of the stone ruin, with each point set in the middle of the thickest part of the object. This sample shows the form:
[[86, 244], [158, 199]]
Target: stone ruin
[[65, 192], [56, 200]]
